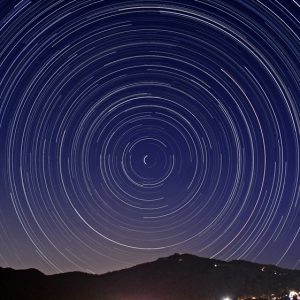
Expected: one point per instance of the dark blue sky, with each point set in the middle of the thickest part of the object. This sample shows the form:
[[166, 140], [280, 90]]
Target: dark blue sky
[[132, 130]]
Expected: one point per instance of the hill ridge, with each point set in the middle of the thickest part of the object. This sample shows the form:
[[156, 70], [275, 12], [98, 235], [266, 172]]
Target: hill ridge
[[179, 276]]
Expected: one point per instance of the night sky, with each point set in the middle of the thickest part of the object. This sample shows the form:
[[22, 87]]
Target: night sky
[[132, 130]]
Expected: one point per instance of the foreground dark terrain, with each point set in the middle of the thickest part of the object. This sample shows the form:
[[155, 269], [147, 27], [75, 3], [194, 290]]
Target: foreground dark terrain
[[175, 277]]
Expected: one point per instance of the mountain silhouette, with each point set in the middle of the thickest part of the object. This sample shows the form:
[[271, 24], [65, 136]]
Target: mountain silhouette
[[177, 277]]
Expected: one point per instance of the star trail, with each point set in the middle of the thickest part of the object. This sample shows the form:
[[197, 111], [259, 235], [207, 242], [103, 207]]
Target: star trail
[[132, 130]]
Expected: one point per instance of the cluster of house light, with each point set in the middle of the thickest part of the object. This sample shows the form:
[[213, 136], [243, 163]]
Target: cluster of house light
[[291, 295]]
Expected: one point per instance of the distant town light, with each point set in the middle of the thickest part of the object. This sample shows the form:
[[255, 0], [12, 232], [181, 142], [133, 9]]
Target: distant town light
[[227, 298], [293, 294]]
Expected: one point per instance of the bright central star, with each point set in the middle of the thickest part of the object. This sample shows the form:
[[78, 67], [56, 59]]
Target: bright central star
[[145, 158]]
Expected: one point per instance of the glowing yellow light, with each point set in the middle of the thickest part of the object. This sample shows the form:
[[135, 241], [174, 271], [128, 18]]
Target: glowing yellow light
[[292, 294]]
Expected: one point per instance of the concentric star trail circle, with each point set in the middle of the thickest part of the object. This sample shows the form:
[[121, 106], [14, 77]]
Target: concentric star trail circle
[[153, 125]]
